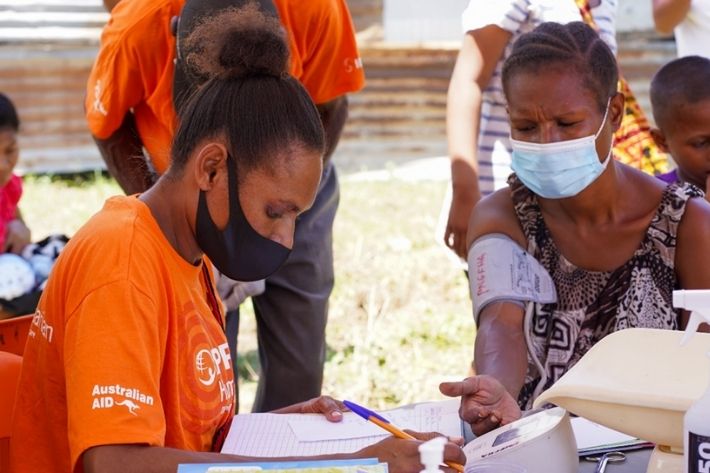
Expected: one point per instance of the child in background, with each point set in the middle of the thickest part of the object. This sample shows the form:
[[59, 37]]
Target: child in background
[[14, 234], [24, 266], [680, 95]]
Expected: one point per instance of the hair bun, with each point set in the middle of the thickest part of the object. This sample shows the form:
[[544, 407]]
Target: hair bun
[[237, 42]]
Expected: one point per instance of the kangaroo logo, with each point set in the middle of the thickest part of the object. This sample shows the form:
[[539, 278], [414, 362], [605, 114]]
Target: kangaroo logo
[[132, 406]]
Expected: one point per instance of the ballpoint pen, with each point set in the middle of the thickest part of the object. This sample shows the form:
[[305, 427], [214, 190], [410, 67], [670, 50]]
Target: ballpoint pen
[[380, 421]]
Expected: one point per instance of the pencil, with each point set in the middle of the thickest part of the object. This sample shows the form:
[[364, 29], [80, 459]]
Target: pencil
[[380, 421]]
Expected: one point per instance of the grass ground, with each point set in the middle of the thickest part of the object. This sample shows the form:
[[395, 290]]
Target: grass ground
[[400, 319]]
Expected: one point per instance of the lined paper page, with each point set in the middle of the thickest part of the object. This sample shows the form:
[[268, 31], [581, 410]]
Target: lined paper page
[[280, 435], [439, 417]]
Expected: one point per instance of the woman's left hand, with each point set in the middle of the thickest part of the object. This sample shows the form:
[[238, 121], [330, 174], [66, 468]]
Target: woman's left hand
[[326, 405]]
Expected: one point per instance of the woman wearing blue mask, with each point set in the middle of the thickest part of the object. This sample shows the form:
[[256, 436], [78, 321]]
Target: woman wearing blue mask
[[610, 241]]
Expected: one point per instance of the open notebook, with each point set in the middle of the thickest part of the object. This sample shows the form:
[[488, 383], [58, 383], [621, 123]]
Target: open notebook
[[284, 435], [303, 435]]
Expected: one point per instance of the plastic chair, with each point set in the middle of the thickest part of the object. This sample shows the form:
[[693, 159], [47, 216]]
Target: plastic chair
[[13, 333], [10, 367]]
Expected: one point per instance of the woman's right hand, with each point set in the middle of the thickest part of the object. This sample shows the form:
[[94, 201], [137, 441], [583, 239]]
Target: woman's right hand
[[402, 455], [485, 403]]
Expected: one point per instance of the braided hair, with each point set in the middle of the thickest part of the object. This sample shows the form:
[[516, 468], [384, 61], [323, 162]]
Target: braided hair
[[573, 45]]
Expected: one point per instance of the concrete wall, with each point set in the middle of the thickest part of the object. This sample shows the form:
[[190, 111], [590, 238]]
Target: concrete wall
[[420, 21]]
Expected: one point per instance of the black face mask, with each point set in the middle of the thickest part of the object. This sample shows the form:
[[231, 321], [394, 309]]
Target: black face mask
[[238, 251]]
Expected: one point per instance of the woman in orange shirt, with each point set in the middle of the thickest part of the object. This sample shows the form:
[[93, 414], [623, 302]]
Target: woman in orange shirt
[[127, 367]]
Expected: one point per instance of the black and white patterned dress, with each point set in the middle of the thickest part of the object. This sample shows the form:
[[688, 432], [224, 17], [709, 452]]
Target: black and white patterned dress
[[594, 304]]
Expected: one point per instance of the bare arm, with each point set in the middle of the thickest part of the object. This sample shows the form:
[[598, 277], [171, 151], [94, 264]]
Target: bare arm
[[401, 455], [692, 257], [146, 459], [500, 352], [476, 62], [667, 14], [500, 349], [489, 399], [333, 115], [123, 154]]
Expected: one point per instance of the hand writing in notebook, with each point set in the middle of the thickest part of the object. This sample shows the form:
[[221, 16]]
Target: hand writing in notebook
[[402, 455], [332, 409], [290, 434]]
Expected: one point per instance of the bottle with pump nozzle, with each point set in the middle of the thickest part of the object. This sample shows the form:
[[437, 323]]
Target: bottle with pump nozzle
[[431, 454], [696, 423]]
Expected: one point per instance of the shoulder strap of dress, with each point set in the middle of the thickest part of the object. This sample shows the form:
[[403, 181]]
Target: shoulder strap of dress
[[664, 226], [526, 208]]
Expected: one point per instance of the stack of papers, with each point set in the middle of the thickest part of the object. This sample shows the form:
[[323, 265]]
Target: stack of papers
[[593, 439]]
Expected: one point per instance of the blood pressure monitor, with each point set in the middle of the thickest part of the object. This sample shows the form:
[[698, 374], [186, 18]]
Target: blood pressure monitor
[[542, 442]]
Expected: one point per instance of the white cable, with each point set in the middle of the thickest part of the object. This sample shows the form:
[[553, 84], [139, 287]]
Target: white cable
[[527, 328]]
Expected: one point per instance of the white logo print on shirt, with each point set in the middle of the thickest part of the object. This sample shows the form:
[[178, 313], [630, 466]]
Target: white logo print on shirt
[[132, 406], [98, 106], [108, 396]]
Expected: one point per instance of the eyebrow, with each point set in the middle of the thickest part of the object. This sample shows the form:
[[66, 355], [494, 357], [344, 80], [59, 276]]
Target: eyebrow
[[523, 114]]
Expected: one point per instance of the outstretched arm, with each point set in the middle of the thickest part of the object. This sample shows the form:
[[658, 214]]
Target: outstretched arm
[[489, 399], [123, 154], [500, 349], [667, 14], [402, 456]]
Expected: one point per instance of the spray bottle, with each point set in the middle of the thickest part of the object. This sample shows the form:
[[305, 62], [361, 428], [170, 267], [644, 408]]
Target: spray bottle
[[431, 454], [696, 424]]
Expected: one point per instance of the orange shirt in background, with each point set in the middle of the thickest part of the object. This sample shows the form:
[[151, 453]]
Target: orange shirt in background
[[124, 348], [134, 67]]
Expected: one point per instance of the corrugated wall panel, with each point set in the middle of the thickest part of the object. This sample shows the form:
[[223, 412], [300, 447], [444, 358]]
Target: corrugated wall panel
[[400, 114], [47, 85]]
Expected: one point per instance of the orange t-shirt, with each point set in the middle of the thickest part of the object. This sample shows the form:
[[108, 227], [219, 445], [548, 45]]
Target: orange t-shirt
[[134, 67], [126, 347]]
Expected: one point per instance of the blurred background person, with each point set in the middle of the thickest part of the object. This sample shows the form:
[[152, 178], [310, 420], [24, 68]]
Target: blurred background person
[[689, 20], [130, 110], [476, 118]]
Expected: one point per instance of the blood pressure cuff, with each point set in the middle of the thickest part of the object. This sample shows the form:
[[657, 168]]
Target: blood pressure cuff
[[501, 270]]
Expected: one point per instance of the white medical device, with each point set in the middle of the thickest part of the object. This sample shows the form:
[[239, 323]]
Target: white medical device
[[640, 382], [542, 442]]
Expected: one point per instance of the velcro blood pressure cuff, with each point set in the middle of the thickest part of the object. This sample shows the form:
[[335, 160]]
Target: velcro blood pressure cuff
[[501, 270]]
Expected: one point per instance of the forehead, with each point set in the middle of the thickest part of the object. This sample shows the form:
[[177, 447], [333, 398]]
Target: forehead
[[555, 88], [691, 118], [292, 175]]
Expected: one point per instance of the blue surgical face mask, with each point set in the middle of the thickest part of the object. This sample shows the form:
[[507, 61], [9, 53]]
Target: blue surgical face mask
[[560, 169]]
